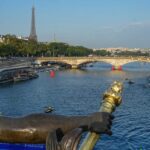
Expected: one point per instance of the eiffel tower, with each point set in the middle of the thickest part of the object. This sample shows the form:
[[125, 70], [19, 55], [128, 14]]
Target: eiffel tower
[[33, 35]]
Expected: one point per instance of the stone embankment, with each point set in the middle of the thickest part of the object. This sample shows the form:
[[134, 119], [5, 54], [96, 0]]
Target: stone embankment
[[15, 62]]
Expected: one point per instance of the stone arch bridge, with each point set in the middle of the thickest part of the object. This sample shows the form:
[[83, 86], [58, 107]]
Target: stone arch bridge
[[77, 62]]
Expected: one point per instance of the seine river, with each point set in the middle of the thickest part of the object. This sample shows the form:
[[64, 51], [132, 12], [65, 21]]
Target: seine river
[[79, 92]]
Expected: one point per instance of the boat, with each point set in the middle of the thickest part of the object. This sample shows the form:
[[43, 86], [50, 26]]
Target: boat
[[21, 77], [25, 76], [33, 75], [17, 75], [48, 109], [130, 82], [6, 80]]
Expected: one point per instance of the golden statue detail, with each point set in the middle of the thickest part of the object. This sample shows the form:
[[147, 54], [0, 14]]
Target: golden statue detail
[[111, 99]]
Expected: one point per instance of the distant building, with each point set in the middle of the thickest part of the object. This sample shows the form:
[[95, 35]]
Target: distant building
[[112, 50], [22, 38], [122, 49]]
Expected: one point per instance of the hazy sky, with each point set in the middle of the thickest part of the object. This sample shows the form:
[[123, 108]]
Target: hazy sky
[[91, 23]]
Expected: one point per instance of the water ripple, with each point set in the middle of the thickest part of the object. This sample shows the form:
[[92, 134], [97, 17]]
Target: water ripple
[[80, 92]]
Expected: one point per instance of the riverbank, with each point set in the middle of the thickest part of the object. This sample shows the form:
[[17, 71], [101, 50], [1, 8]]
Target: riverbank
[[22, 69], [14, 62]]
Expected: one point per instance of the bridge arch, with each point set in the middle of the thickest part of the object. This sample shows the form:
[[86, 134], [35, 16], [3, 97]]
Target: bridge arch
[[95, 61], [134, 61], [53, 61]]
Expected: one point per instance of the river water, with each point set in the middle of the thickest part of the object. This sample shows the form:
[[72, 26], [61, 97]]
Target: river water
[[79, 92]]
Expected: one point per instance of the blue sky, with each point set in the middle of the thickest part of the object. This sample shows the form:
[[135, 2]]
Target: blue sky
[[91, 23]]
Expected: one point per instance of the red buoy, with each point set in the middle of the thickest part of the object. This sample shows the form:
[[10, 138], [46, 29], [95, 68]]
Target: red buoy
[[120, 68], [113, 68], [52, 74]]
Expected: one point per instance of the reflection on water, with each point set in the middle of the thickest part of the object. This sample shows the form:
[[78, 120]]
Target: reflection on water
[[76, 92]]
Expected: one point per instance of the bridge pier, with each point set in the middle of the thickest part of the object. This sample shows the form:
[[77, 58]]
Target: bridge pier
[[74, 67], [116, 68]]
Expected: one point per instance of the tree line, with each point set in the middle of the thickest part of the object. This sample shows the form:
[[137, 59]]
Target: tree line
[[12, 46]]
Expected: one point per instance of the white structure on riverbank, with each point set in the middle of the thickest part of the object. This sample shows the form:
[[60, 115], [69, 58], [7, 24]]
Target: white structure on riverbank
[[2, 38]]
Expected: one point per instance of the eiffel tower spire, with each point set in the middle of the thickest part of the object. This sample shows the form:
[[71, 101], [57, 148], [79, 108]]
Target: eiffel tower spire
[[33, 35]]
